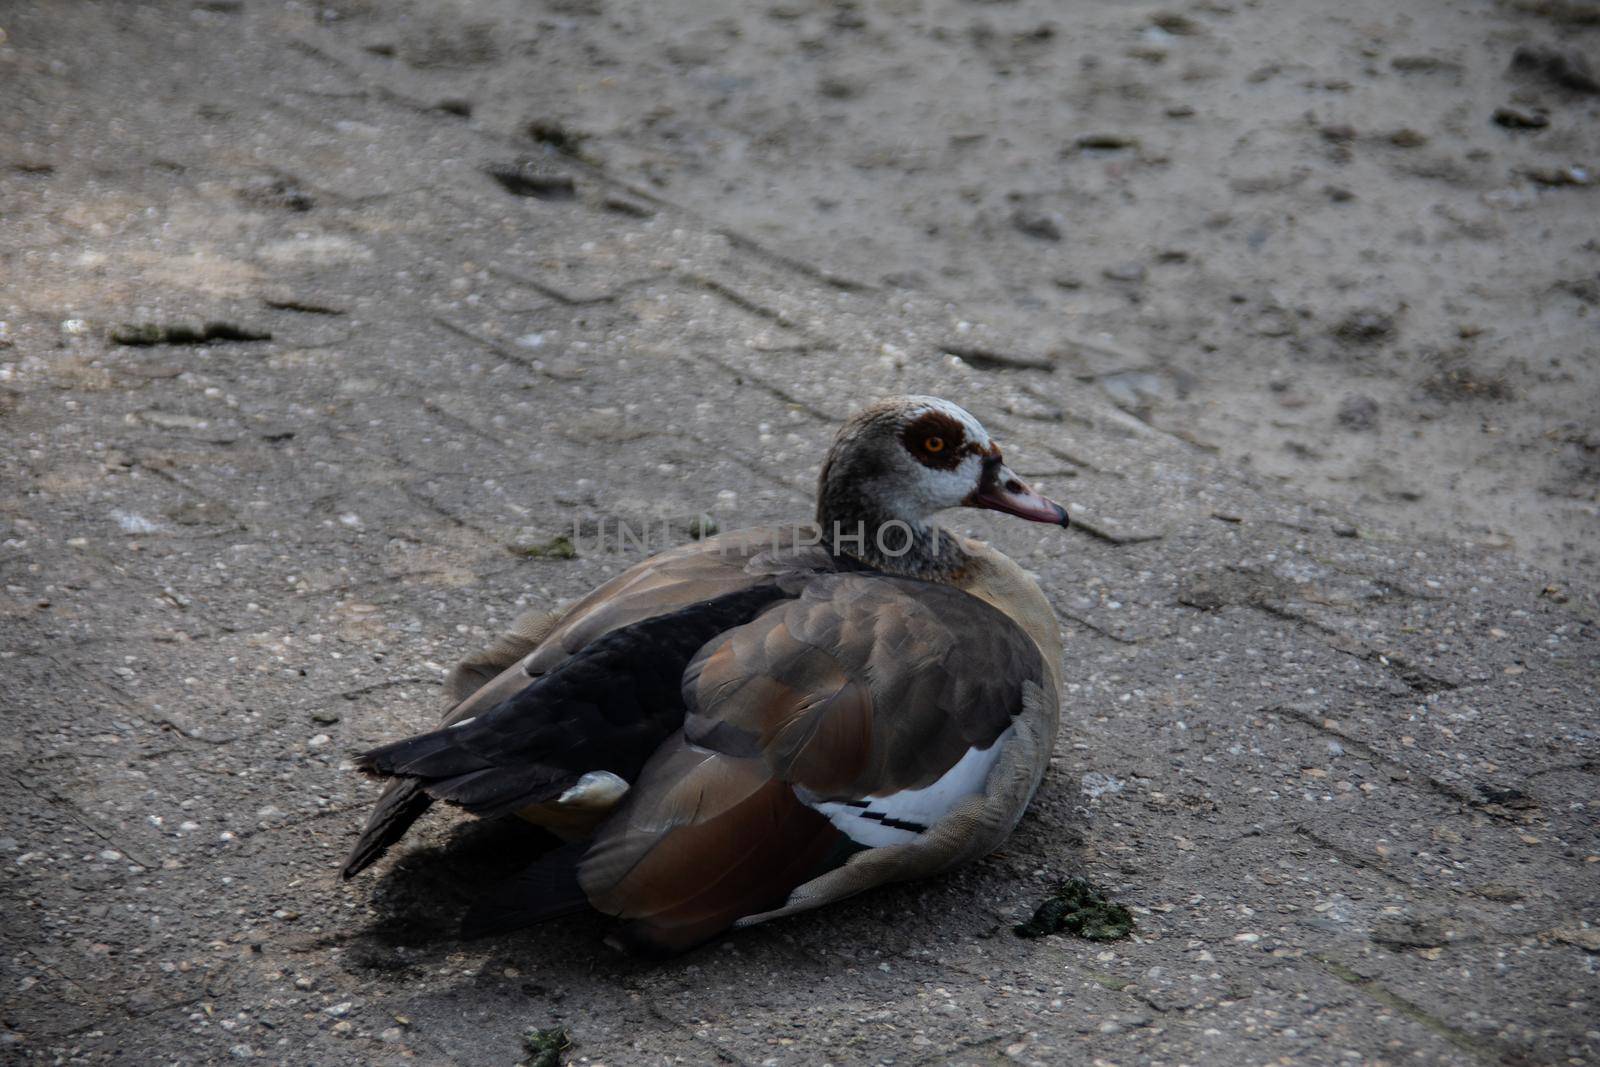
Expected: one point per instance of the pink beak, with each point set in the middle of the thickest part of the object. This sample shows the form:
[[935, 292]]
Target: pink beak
[[1001, 490]]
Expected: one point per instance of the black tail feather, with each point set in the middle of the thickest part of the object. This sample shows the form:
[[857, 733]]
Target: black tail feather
[[400, 805], [607, 707], [500, 790], [431, 755], [448, 771]]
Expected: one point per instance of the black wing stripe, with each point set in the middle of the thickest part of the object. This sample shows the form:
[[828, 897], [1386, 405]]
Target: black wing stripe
[[887, 820]]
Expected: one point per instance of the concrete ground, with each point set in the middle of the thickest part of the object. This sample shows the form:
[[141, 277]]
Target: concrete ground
[[1346, 778]]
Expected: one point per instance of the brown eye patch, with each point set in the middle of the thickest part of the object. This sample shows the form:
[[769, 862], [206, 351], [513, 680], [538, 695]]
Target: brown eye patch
[[936, 440]]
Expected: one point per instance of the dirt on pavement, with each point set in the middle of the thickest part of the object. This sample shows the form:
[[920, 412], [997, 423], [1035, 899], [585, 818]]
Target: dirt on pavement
[[1352, 246]]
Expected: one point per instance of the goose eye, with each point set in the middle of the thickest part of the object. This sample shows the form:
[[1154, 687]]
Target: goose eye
[[933, 444]]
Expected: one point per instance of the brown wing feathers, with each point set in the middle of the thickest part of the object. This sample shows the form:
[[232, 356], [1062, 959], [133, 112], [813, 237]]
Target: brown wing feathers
[[852, 691], [864, 685], [714, 872], [707, 838]]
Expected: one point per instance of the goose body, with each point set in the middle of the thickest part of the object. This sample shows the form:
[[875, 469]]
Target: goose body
[[768, 720]]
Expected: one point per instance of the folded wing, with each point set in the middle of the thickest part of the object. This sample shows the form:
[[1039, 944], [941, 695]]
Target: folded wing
[[860, 716], [606, 709], [664, 584]]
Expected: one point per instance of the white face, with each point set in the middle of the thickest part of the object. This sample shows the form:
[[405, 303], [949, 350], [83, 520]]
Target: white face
[[935, 461]]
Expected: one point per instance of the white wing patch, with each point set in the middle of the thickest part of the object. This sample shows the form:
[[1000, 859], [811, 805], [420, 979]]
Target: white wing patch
[[900, 817], [596, 789]]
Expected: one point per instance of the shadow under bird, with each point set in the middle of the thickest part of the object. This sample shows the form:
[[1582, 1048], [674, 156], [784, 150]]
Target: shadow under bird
[[757, 724]]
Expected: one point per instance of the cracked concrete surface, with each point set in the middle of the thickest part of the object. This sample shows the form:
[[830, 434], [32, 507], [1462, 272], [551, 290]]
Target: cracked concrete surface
[[1345, 778]]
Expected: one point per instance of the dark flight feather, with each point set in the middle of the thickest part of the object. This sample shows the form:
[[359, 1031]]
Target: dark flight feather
[[606, 708], [401, 804]]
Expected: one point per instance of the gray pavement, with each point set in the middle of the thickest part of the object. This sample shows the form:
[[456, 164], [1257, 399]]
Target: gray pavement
[[1346, 780]]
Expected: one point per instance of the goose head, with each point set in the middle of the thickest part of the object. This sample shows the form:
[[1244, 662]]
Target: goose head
[[907, 457]]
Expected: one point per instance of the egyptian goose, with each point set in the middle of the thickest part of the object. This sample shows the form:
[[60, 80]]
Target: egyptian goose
[[758, 723]]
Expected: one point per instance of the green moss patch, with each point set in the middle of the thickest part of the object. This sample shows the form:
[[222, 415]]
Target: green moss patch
[[544, 1047], [555, 548], [1082, 909]]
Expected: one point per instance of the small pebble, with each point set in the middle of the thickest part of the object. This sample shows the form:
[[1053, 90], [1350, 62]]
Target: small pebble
[[1036, 224], [1106, 141], [1513, 119], [1358, 412]]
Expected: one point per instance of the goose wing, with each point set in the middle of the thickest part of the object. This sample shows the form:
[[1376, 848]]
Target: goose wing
[[867, 716], [661, 585]]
